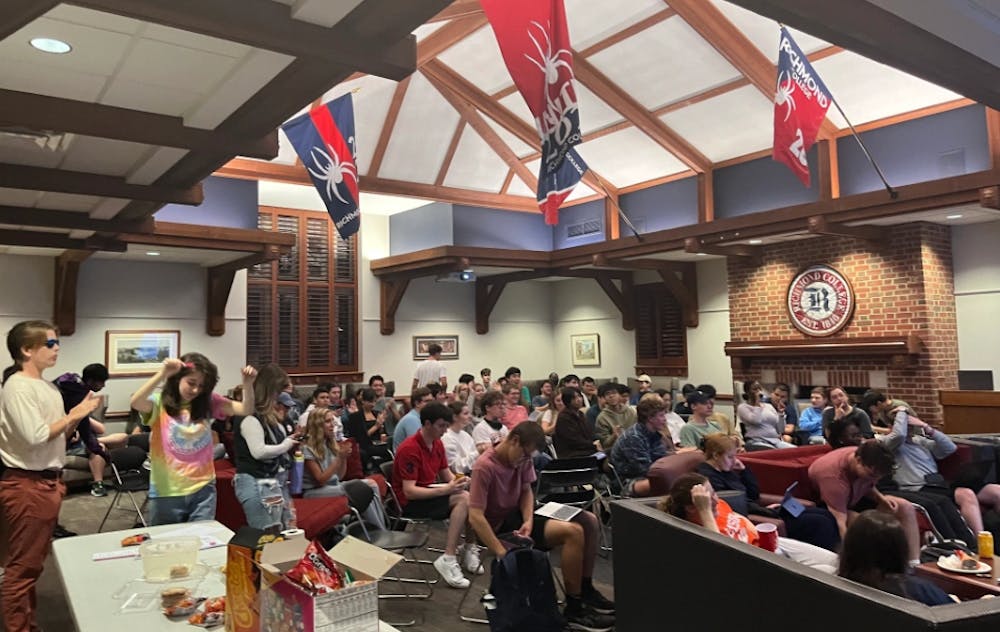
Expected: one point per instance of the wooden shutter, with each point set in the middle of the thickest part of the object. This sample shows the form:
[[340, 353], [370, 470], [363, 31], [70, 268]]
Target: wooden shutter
[[660, 332], [317, 249], [288, 265], [265, 221], [344, 258], [288, 326], [345, 306], [260, 341], [317, 338]]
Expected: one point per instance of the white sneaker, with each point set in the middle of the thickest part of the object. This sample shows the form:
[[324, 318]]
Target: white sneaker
[[450, 571], [470, 560]]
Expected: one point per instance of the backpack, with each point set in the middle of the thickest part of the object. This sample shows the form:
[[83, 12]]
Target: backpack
[[523, 594]]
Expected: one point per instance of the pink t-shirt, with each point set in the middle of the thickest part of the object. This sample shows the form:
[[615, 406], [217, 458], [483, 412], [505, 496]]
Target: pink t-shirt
[[833, 477], [514, 415], [180, 449], [497, 487]]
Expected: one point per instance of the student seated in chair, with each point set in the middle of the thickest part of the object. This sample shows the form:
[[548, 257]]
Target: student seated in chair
[[641, 445], [501, 500], [429, 490]]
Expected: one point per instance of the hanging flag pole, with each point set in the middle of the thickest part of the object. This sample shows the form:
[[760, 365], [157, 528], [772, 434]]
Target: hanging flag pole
[[801, 101], [893, 193], [621, 213]]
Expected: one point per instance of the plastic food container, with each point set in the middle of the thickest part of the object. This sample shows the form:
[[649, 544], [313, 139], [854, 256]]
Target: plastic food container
[[169, 559]]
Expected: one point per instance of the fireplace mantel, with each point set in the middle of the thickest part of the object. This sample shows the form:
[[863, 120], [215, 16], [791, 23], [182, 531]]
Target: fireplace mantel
[[899, 351]]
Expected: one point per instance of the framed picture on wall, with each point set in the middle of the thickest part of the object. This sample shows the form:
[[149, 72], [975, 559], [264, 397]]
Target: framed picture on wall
[[139, 352], [422, 344], [586, 349]]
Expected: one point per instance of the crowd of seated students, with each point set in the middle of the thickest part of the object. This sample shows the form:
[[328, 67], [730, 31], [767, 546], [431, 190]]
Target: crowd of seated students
[[500, 426]]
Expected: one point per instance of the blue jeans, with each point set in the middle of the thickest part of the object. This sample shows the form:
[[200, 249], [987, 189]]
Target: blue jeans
[[191, 508], [265, 500]]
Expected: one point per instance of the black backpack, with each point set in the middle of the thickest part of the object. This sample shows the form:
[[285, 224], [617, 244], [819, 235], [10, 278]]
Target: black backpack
[[523, 594]]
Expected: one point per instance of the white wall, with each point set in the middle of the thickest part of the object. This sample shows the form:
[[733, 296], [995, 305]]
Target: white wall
[[125, 295], [520, 326], [582, 307], [976, 264]]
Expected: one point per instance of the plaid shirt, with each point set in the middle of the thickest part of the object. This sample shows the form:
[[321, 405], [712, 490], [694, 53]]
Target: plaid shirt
[[636, 450]]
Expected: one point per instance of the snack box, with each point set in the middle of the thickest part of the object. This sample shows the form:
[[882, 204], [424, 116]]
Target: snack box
[[350, 609], [243, 579]]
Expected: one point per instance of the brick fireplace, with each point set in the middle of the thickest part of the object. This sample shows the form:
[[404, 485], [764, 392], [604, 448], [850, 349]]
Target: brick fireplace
[[903, 335]]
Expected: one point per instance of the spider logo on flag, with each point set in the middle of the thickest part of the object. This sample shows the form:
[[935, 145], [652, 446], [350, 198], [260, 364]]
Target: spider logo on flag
[[785, 93], [548, 62], [332, 172]]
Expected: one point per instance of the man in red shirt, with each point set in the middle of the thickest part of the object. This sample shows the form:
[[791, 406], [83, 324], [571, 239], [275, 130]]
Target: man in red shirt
[[501, 501], [430, 490], [845, 479]]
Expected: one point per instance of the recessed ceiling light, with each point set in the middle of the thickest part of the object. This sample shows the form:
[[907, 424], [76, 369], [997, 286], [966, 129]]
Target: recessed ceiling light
[[51, 45], [955, 216], [756, 241], [152, 253]]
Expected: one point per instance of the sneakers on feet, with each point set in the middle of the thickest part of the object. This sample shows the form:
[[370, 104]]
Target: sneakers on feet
[[97, 489], [451, 572], [587, 620], [597, 602], [470, 560]]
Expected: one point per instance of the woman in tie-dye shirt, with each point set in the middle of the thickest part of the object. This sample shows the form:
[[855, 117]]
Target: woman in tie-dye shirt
[[182, 471]]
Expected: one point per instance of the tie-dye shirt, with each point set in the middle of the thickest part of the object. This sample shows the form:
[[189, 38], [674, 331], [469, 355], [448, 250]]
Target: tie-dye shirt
[[180, 452]]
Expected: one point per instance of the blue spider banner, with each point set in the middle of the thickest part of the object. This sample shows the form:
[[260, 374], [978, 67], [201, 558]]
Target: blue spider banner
[[324, 140], [534, 42], [800, 104]]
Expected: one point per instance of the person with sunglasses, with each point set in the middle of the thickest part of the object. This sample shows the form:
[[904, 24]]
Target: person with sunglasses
[[33, 432]]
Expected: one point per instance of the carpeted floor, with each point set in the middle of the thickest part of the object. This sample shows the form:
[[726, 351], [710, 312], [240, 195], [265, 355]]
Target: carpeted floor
[[82, 513]]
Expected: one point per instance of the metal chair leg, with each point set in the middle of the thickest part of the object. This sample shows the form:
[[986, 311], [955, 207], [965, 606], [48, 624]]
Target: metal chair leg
[[465, 597]]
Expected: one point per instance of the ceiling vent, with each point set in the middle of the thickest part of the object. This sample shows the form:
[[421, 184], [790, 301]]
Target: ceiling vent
[[582, 229]]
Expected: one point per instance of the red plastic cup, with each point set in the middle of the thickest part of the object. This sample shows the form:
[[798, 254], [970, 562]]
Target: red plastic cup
[[767, 536]]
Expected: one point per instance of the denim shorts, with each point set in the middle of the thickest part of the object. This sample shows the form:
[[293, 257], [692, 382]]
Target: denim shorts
[[191, 508]]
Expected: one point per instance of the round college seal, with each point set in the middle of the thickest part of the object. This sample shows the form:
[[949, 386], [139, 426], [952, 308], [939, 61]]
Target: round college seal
[[820, 301]]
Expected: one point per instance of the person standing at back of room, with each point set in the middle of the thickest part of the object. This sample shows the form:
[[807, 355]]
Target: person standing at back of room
[[182, 470], [431, 370], [33, 432]]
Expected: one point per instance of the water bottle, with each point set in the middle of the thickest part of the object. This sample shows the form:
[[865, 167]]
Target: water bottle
[[338, 432], [292, 518], [295, 476]]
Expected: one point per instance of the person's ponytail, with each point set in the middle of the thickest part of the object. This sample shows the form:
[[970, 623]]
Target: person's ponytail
[[11, 370]]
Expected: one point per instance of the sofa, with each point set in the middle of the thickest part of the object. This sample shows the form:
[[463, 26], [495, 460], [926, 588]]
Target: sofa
[[315, 516], [715, 583]]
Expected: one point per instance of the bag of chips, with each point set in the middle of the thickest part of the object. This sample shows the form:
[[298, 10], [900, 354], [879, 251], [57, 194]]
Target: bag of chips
[[316, 571]]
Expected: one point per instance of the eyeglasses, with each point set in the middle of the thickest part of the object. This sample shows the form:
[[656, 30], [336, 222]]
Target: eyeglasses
[[52, 342]]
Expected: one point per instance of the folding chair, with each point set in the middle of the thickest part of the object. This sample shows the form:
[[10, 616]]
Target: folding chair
[[574, 481], [360, 496], [129, 477], [395, 518]]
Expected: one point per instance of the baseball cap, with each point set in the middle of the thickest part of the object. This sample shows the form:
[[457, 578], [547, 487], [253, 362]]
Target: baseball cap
[[697, 397], [286, 400], [644, 378]]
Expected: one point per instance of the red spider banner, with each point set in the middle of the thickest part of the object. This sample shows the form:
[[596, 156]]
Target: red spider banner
[[534, 41], [800, 104]]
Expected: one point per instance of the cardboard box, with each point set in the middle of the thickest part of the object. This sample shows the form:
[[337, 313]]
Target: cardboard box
[[243, 579], [287, 607]]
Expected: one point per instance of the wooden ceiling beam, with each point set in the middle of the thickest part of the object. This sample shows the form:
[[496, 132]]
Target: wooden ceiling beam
[[450, 155], [17, 13], [820, 225], [45, 113], [78, 182], [696, 245], [447, 36], [626, 105], [880, 35], [256, 170], [70, 220], [388, 125], [67, 272], [471, 115], [629, 31], [458, 9], [709, 22], [993, 136], [269, 25], [503, 117], [37, 239]]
